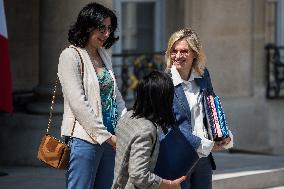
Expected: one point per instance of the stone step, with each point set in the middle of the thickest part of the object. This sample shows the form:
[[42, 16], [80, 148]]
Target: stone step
[[259, 179], [246, 171]]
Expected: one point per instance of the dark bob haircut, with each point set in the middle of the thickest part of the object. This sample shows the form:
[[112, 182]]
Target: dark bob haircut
[[154, 99], [89, 19]]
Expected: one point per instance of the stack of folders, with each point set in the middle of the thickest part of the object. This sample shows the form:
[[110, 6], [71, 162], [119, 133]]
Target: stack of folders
[[215, 116]]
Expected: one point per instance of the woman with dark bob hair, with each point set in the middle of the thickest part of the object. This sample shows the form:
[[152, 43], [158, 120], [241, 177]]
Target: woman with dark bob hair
[[92, 101], [137, 135]]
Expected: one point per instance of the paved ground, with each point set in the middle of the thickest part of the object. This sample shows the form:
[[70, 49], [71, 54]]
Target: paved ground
[[47, 178], [248, 171], [236, 162], [32, 178]]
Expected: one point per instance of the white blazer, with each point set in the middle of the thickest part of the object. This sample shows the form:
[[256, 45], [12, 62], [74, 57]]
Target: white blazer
[[84, 106]]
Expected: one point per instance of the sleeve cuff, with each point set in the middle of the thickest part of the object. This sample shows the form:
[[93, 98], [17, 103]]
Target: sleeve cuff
[[157, 182], [231, 143], [205, 147]]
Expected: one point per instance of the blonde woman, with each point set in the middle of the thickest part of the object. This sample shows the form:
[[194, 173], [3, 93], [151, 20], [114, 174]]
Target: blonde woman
[[185, 60]]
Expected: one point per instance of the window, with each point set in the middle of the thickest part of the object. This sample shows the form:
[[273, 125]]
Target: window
[[141, 25]]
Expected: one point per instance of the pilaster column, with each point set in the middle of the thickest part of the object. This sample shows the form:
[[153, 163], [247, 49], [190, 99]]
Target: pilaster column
[[129, 27], [280, 25], [55, 20]]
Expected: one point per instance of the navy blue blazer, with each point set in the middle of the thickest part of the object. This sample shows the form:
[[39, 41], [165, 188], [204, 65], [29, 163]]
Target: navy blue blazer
[[182, 111]]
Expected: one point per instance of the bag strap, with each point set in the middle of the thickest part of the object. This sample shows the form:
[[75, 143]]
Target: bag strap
[[54, 95]]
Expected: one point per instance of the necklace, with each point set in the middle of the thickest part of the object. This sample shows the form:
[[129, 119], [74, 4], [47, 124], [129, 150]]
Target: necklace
[[96, 59], [97, 63]]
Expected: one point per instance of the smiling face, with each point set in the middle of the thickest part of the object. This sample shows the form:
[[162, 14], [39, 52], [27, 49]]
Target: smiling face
[[99, 36], [182, 56]]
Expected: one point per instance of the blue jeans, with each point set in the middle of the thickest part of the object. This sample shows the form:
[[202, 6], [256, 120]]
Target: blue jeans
[[90, 165], [200, 177]]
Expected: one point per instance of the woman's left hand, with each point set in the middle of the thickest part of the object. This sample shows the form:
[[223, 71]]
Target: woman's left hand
[[112, 141]]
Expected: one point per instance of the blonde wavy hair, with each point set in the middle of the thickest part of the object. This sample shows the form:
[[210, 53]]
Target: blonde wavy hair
[[194, 43]]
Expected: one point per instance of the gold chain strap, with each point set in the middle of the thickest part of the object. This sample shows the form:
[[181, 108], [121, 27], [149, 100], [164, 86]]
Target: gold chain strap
[[54, 94], [52, 105]]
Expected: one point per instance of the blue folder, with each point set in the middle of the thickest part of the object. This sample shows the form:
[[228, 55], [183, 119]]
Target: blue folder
[[176, 156]]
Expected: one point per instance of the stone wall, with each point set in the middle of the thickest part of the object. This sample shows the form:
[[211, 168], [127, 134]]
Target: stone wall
[[23, 33], [233, 35]]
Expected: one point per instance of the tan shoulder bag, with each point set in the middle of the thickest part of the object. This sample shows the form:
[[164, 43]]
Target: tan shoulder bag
[[52, 151]]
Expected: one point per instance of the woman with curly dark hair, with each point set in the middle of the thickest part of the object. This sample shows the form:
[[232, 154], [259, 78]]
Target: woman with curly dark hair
[[92, 101]]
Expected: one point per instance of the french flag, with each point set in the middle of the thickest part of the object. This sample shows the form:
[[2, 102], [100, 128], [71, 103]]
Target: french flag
[[6, 104]]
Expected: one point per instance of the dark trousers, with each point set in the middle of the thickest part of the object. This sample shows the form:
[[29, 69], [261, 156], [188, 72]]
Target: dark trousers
[[200, 177]]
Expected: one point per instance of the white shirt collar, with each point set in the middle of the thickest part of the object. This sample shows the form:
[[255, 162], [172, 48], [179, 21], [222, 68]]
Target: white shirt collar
[[178, 80]]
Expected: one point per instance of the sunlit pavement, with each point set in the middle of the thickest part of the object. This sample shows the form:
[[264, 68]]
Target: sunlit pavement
[[240, 171]]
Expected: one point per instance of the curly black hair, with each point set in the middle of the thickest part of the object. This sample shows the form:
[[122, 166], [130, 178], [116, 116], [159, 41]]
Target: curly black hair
[[90, 18]]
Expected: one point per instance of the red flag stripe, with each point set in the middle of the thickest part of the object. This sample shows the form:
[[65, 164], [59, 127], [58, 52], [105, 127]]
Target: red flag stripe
[[5, 77], [3, 28]]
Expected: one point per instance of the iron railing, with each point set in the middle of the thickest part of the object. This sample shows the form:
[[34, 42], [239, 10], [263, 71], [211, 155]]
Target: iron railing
[[274, 71], [133, 67]]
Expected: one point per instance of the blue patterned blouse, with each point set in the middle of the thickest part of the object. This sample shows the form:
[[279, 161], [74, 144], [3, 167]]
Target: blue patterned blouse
[[109, 106]]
